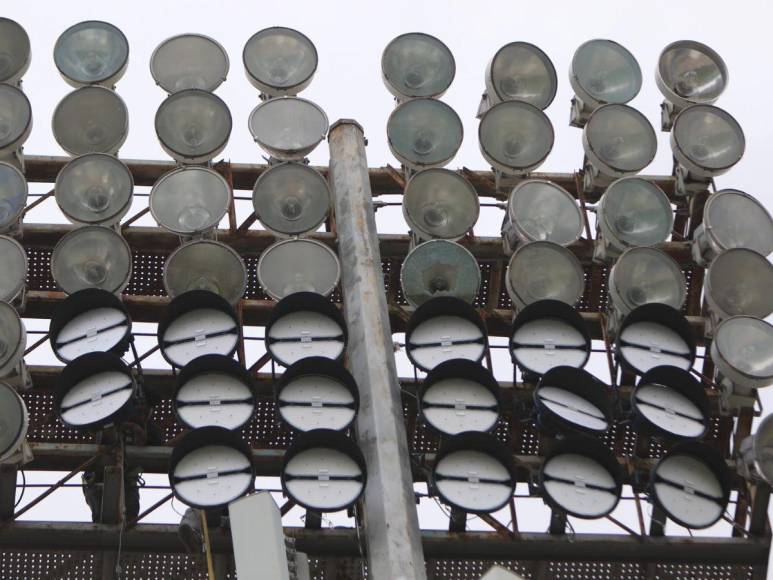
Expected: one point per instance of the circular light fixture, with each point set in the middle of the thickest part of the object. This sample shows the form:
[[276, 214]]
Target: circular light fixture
[[603, 71], [440, 203], [544, 271], [439, 268], [13, 196], [690, 72], [738, 282], [569, 400], [190, 200], [317, 393], [541, 210], [305, 324], [520, 71], [214, 390], [691, 485], [279, 61], [581, 478], [644, 276], [757, 450], [14, 418], [15, 117], [618, 140], [196, 323], [13, 339], [669, 402], [91, 257], [548, 334], [288, 128], [95, 390], [324, 471], [474, 473], [91, 53], [189, 61], [15, 52], [90, 320], [742, 351], [13, 265], [206, 265], [458, 396], [291, 199], [654, 335], [417, 65], [443, 329], [515, 137], [95, 188], [92, 119], [298, 265], [706, 140], [210, 467], [424, 133]]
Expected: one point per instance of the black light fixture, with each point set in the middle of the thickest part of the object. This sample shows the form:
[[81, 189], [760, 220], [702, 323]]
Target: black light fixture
[[569, 400]]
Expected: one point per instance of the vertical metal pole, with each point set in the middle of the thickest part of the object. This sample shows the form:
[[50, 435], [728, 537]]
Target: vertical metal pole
[[391, 525]]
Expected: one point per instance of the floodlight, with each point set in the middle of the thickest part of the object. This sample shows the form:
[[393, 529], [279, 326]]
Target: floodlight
[[210, 467], [474, 473], [417, 65], [520, 71], [90, 320], [189, 61], [742, 351], [190, 200], [541, 210], [193, 126], [544, 271], [645, 276], [440, 203], [654, 335], [196, 323], [291, 199], [443, 329], [91, 53], [548, 334], [14, 51], [323, 471], [439, 268], [602, 72], [305, 324], [317, 393], [14, 419], [691, 485], [95, 188], [214, 390], [515, 137], [288, 128], [279, 61], [298, 265], [669, 402], [688, 73], [732, 219], [633, 212], [581, 478], [15, 117], [756, 453], [13, 265], [91, 119], [13, 197], [206, 265], [91, 257], [569, 400], [13, 341], [458, 396]]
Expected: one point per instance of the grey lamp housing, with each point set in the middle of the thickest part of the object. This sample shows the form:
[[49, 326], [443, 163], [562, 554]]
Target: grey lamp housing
[[91, 53], [15, 123], [15, 420], [15, 51], [13, 264], [279, 61], [91, 119], [755, 453], [189, 61], [520, 71], [13, 342], [13, 199], [417, 65]]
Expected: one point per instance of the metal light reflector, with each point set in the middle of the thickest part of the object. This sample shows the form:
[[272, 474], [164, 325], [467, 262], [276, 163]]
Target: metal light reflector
[[324, 471], [544, 271], [442, 329], [520, 71], [305, 324], [742, 351], [214, 390], [189, 61], [92, 119], [569, 400], [669, 402], [440, 203], [91, 53], [95, 390], [739, 282], [644, 276], [581, 478], [474, 472], [548, 334], [279, 61], [13, 265], [91, 257], [15, 118], [691, 484], [459, 396], [706, 140], [515, 137], [317, 393], [90, 320], [14, 418], [13, 195], [190, 200], [424, 133], [757, 451], [439, 268], [298, 265], [288, 128], [291, 199], [13, 339], [417, 65], [210, 467], [197, 323], [95, 188], [654, 335], [206, 265], [14, 51]]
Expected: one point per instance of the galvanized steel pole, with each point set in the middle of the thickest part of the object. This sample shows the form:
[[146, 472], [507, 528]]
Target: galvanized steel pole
[[391, 524]]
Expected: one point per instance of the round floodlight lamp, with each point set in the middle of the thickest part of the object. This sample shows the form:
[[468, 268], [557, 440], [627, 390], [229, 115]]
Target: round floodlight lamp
[[92, 119], [298, 265], [439, 268], [14, 418], [288, 128], [91, 53], [544, 271], [424, 133], [15, 51], [689, 73], [738, 283], [15, 118], [279, 61], [440, 203], [602, 72], [645, 276], [569, 400], [706, 140], [189, 61], [520, 71], [206, 265], [742, 351], [515, 137], [13, 196], [538, 209], [618, 140], [757, 450], [13, 265], [13, 339], [417, 65]]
